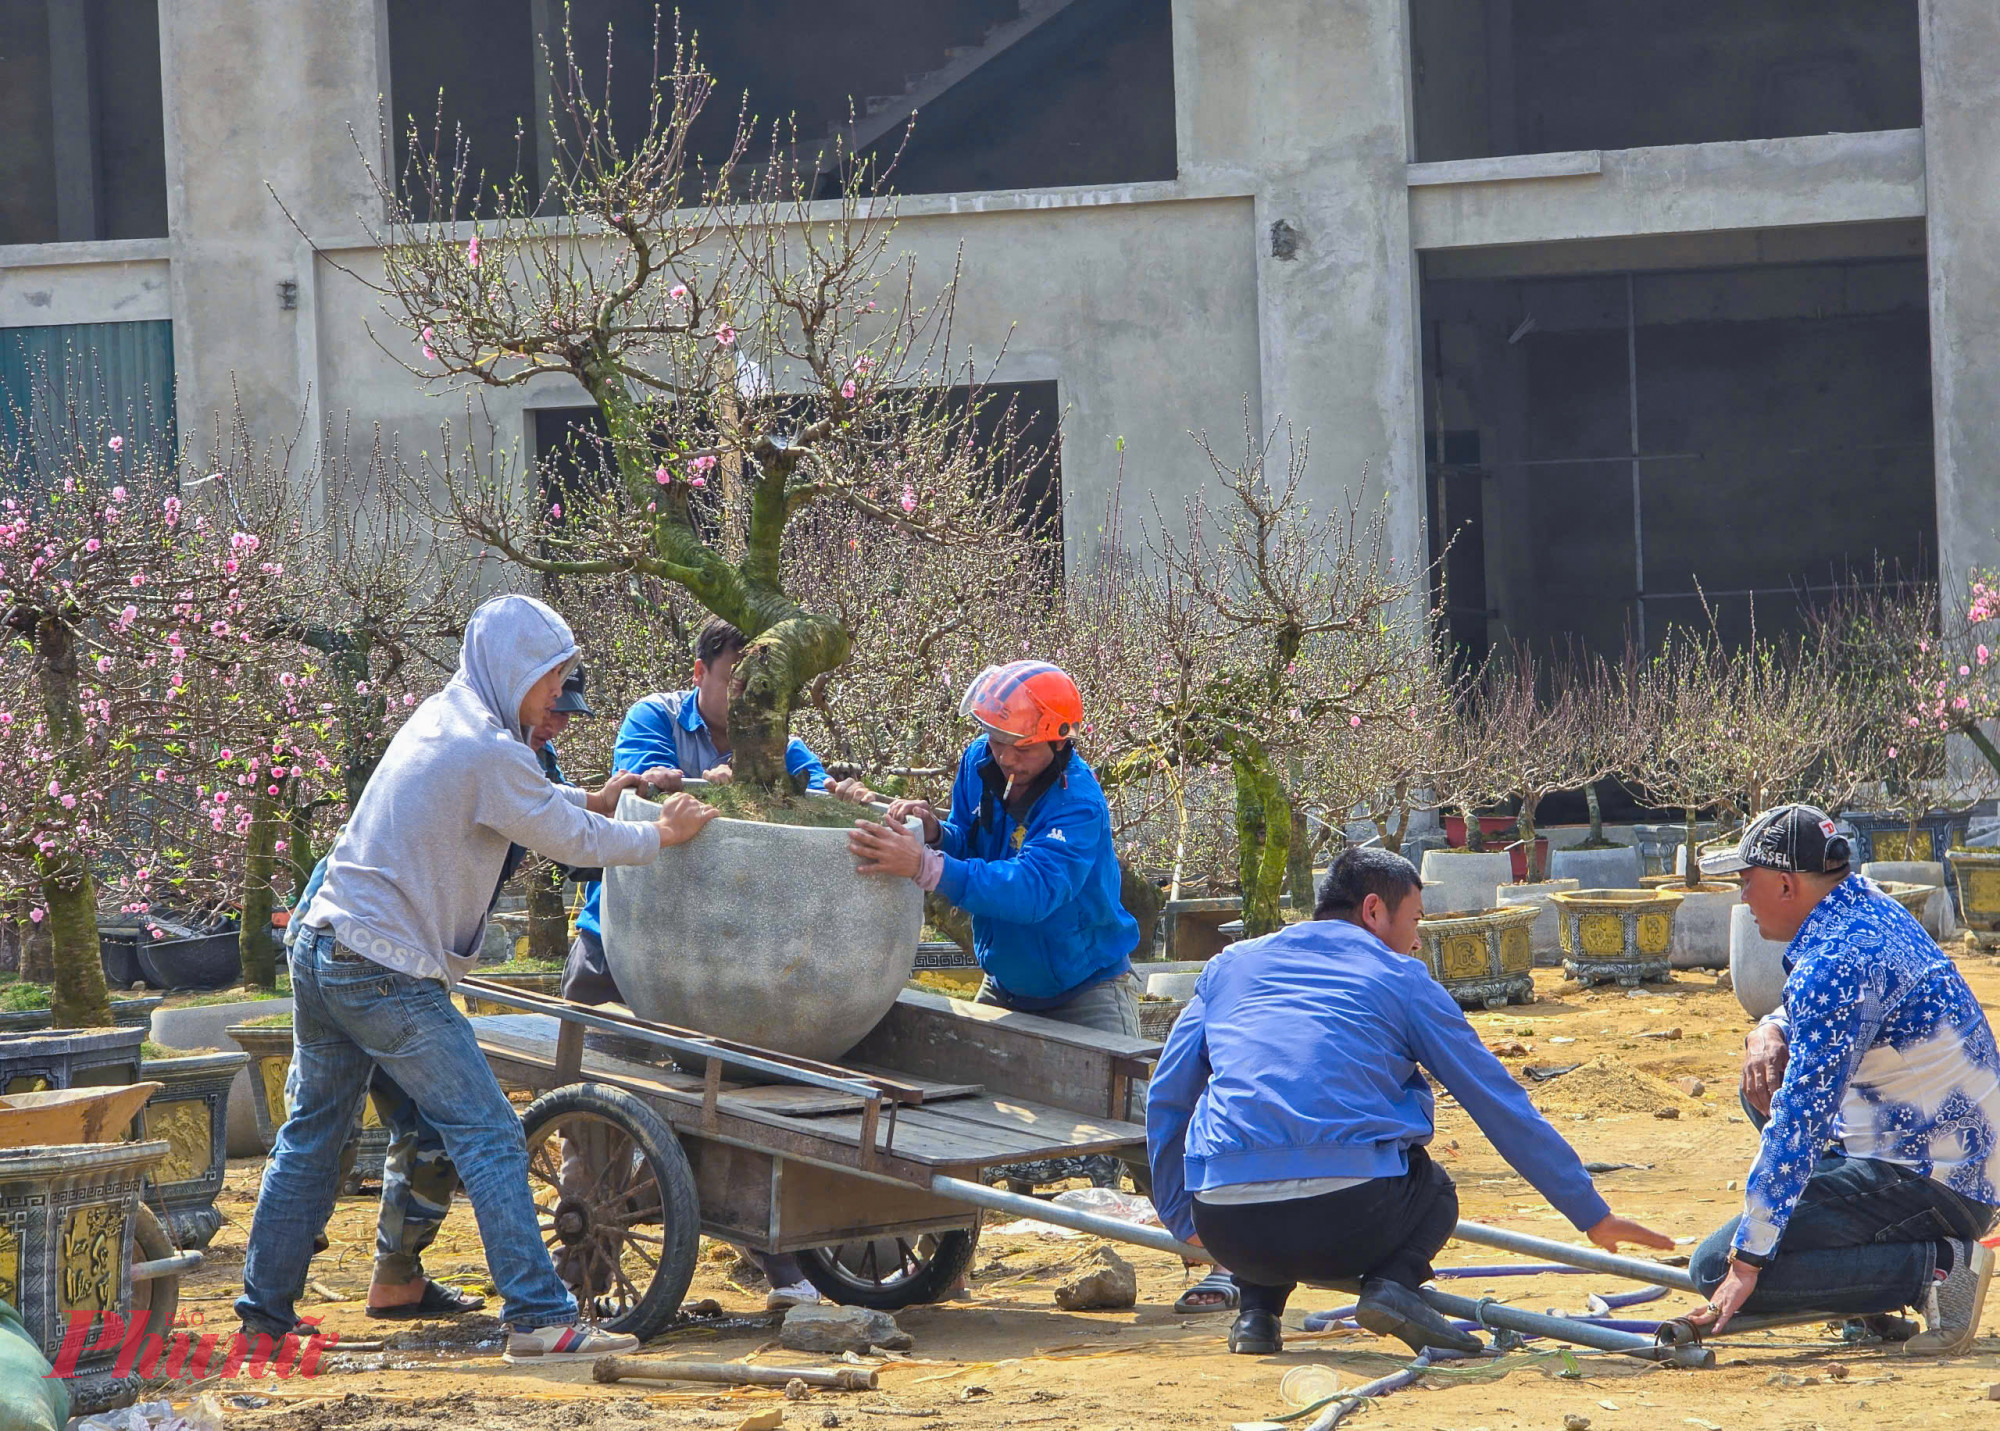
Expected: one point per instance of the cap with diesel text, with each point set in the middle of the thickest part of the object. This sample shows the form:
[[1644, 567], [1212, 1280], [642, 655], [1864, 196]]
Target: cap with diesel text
[[1797, 839]]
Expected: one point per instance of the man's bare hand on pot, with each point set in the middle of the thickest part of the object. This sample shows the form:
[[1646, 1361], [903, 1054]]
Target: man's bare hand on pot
[[852, 791], [662, 779], [901, 810], [718, 775], [893, 850], [604, 801], [1765, 1054], [682, 817]]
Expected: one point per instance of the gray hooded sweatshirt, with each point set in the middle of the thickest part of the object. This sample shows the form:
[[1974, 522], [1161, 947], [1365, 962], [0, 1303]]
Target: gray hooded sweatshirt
[[412, 876]]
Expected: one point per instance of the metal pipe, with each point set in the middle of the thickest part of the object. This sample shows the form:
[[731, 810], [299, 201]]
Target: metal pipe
[[1589, 1258], [1566, 1329], [1681, 1332], [166, 1266], [979, 1195]]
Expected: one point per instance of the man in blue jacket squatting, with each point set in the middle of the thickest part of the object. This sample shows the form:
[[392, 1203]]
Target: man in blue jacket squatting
[[1287, 1118], [1026, 850]]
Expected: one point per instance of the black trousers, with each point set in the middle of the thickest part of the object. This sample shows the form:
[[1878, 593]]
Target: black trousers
[[586, 977], [1385, 1227]]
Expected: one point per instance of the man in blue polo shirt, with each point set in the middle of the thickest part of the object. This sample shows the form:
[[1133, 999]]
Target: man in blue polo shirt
[[676, 735]]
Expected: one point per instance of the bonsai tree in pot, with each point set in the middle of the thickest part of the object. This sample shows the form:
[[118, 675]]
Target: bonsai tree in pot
[[1684, 705], [1282, 628], [1532, 719], [756, 358]]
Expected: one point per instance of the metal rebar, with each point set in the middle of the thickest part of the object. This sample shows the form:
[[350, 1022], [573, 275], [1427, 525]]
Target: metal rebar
[[1591, 1259], [1565, 1329], [172, 1266], [1157, 1238]]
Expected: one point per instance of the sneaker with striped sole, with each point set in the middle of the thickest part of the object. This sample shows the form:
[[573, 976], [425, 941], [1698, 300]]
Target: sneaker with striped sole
[[544, 1345]]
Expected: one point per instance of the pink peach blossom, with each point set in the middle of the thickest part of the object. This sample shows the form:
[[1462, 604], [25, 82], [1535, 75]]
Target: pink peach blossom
[[116, 444]]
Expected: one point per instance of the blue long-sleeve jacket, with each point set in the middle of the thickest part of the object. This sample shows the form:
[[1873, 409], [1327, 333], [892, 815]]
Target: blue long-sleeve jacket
[[1043, 893], [1890, 1054], [667, 729], [1298, 1057]]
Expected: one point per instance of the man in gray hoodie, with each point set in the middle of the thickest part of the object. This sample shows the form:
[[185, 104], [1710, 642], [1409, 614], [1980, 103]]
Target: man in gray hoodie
[[396, 923]]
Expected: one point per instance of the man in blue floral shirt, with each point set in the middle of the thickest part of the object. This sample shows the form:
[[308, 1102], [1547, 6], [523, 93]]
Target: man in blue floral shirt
[[1880, 1165]]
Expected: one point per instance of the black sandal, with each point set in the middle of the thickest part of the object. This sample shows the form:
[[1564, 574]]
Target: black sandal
[[1216, 1284], [438, 1301]]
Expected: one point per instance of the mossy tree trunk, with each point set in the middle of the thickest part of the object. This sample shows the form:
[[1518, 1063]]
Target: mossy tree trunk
[[69, 893], [1263, 836], [548, 919], [1693, 877], [1525, 830], [260, 863], [1597, 839]]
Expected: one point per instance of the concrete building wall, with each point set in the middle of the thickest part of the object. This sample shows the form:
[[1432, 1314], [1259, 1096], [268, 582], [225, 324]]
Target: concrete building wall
[[1281, 263]]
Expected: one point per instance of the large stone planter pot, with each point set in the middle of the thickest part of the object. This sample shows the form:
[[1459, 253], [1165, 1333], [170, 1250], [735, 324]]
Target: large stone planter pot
[[1977, 873], [1756, 964], [69, 1058], [761, 933], [1917, 898], [1462, 882], [70, 1218], [204, 962], [208, 1027], [1617, 868], [1701, 924], [1617, 935], [190, 1114], [270, 1051], [1934, 914], [125, 1013], [1543, 935], [1484, 959]]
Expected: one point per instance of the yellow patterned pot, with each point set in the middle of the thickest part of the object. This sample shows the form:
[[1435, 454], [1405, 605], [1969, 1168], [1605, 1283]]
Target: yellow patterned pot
[[190, 1114], [69, 1215], [1978, 876], [1484, 959], [1616, 935]]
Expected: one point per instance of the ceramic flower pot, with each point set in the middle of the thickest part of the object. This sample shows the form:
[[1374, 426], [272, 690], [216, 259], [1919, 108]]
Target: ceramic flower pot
[[1977, 873], [761, 933], [529, 983], [1462, 882], [190, 1114], [1484, 959], [270, 1051], [1543, 936], [1701, 924], [70, 1058], [1619, 936], [70, 1218]]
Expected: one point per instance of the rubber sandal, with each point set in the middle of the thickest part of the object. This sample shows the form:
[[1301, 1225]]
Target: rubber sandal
[[1216, 1283], [438, 1301]]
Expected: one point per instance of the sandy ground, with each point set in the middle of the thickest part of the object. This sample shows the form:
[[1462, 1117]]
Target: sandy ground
[[1007, 1357]]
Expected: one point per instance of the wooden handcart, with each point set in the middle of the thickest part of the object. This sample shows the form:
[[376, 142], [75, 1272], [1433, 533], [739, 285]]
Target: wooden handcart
[[868, 1171]]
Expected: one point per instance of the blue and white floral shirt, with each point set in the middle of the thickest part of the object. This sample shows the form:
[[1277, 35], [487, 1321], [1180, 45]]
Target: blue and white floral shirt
[[1890, 1054]]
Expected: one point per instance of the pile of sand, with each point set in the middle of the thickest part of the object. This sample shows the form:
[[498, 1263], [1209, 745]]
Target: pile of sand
[[1604, 1089]]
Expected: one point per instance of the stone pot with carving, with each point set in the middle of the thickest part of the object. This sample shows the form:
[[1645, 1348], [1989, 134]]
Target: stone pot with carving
[[270, 1050], [1618, 936], [190, 1114], [1977, 873], [71, 1226], [69, 1058], [1485, 958]]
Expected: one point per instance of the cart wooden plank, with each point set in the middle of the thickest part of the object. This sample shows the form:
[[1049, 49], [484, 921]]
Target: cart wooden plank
[[1006, 1130]]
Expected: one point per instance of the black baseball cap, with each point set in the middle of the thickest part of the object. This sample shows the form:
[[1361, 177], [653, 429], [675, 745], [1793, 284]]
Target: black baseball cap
[[571, 700], [1797, 839]]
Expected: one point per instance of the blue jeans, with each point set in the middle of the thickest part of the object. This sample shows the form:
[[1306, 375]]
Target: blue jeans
[[1862, 1239], [351, 1013], [418, 1179]]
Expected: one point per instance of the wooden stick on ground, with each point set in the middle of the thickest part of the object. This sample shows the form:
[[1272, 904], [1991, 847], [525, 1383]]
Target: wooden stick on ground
[[732, 1373]]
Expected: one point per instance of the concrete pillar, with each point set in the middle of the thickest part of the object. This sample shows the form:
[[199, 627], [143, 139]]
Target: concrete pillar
[[1962, 167], [273, 94], [1305, 104]]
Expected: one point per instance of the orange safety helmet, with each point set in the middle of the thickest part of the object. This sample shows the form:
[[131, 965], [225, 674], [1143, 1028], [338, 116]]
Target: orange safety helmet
[[1023, 702]]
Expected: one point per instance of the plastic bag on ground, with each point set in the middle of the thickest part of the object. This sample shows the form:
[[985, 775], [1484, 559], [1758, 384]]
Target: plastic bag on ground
[[202, 1414], [1102, 1202]]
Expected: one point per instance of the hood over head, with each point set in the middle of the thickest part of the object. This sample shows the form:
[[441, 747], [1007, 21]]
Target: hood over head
[[510, 643]]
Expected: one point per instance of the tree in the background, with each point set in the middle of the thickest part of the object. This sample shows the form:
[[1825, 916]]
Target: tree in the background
[[1683, 705], [1280, 626], [758, 358]]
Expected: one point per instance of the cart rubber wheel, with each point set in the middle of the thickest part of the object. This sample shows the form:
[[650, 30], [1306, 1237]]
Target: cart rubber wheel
[[625, 1230], [158, 1300], [890, 1273]]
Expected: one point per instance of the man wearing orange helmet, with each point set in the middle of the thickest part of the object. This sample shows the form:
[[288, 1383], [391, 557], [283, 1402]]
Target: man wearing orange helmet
[[1026, 850]]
